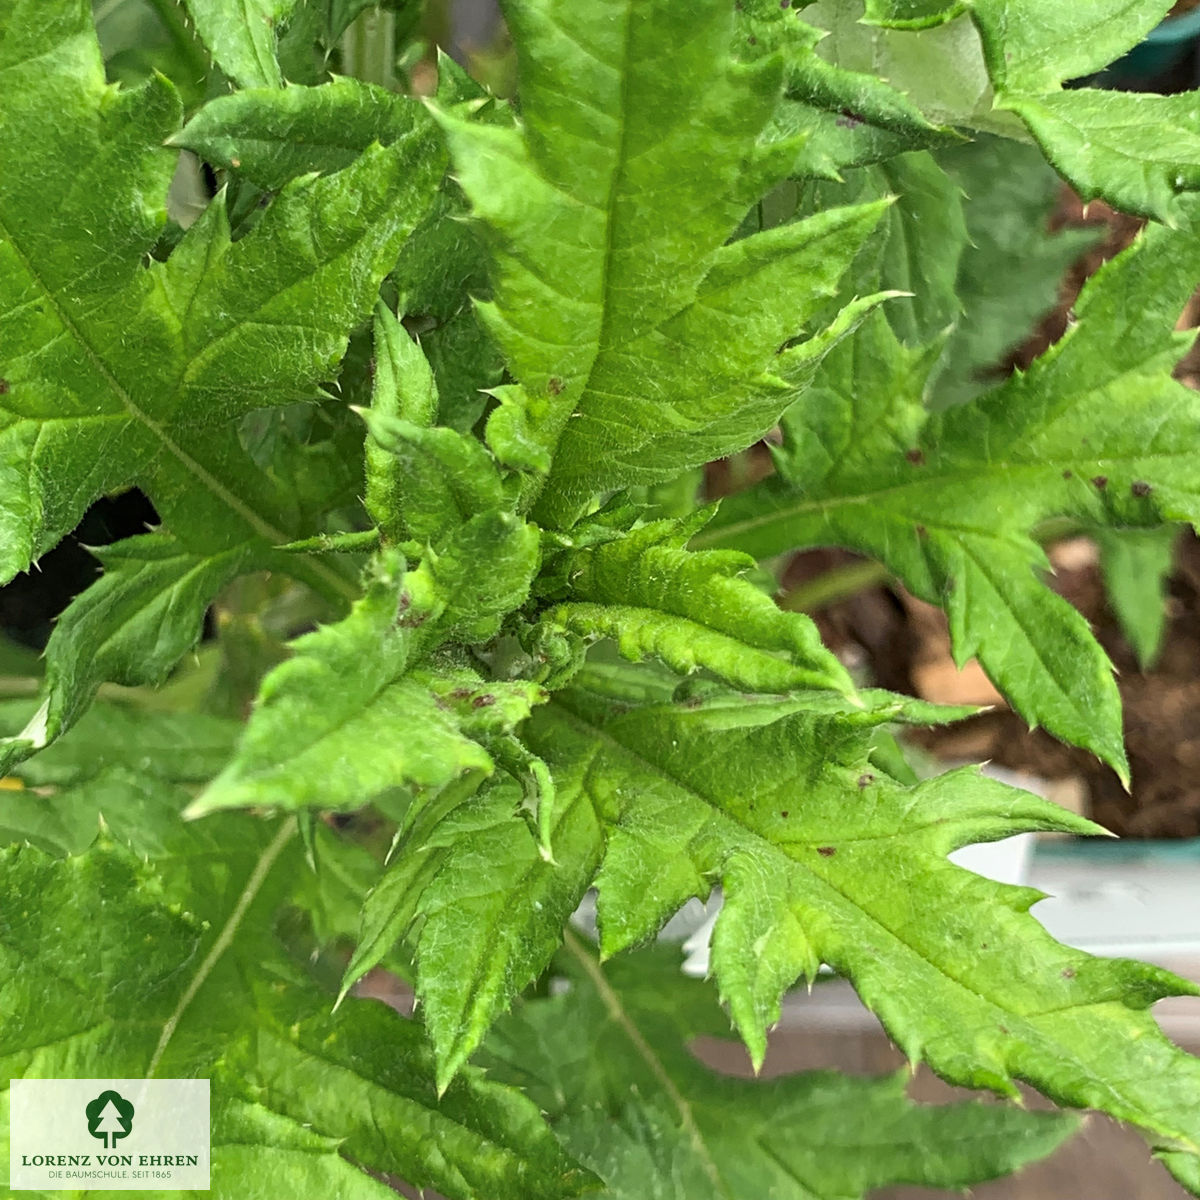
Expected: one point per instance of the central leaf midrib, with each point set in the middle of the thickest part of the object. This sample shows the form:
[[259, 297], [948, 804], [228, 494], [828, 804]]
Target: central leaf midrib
[[621, 1018], [210, 482], [224, 939], [603, 735], [262, 528], [721, 536], [608, 207]]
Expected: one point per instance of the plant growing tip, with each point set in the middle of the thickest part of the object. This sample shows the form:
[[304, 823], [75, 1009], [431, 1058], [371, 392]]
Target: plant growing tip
[[480, 633]]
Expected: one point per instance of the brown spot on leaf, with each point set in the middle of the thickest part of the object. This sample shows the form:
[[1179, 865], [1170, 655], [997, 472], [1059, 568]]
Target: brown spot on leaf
[[784, 814], [865, 779], [235, 162], [484, 701], [3, 387], [915, 456], [1068, 973], [554, 385], [826, 851], [1139, 487], [1068, 474], [922, 532], [1101, 481]]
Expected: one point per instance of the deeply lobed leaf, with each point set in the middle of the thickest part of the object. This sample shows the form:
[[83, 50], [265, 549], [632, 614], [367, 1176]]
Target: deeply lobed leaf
[[610, 1063], [823, 858], [608, 209], [1095, 430], [114, 978]]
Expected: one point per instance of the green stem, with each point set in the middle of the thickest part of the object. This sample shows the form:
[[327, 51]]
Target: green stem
[[369, 48], [840, 582], [835, 584]]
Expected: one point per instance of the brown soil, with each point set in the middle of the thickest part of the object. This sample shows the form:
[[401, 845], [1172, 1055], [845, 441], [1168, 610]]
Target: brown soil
[[1183, 6]]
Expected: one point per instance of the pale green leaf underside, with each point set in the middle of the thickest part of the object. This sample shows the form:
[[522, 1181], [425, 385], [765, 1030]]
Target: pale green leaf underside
[[973, 62], [1136, 564], [838, 117], [1010, 270]]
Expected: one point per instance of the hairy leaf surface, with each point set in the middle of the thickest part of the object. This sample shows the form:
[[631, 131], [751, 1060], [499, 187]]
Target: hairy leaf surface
[[608, 210], [1096, 429], [353, 713], [130, 627], [485, 908], [116, 979], [824, 859], [691, 610], [610, 1064], [241, 36], [119, 373], [271, 136]]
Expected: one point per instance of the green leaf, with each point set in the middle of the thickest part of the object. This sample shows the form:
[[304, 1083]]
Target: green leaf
[[55, 828], [1096, 430], [824, 859], [1138, 152], [609, 1062], [449, 477], [117, 372], [115, 979], [1136, 564], [442, 267], [917, 246], [241, 36], [130, 627], [271, 136], [182, 747], [403, 388], [691, 610], [1011, 267], [364, 1076], [1032, 46], [608, 211], [833, 117], [476, 601], [422, 482], [940, 70], [912, 14], [323, 731], [484, 908]]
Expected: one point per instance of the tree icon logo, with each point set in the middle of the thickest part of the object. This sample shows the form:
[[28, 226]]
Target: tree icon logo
[[109, 1117]]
